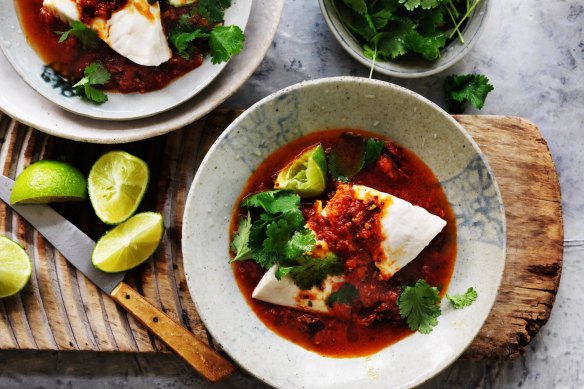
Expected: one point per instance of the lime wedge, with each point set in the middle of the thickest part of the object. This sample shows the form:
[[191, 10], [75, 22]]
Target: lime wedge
[[47, 182], [15, 267], [306, 175], [129, 244], [117, 182]]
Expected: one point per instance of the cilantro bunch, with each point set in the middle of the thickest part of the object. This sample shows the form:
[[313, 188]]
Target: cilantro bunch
[[278, 236], [389, 29]]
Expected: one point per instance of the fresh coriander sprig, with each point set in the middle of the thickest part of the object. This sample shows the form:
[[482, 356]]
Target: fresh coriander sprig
[[466, 299], [85, 35], [94, 74], [419, 305], [466, 88]]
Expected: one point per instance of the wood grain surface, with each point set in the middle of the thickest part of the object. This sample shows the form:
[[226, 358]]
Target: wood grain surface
[[61, 310]]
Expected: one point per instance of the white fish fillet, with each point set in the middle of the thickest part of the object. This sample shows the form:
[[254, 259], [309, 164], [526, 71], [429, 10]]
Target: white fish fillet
[[407, 229], [134, 31]]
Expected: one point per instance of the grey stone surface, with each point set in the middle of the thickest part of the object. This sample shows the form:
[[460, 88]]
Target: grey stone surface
[[533, 52]]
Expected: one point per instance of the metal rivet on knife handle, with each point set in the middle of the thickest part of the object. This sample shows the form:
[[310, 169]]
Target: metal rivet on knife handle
[[196, 353]]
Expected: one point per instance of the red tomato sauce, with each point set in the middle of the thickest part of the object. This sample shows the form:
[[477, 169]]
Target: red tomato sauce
[[69, 58], [373, 322]]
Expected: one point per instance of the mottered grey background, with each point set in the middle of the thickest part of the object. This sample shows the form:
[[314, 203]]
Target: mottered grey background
[[533, 53]]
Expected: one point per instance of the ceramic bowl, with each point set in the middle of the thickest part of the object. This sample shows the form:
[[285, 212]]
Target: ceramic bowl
[[411, 67], [31, 69], [343, 102]]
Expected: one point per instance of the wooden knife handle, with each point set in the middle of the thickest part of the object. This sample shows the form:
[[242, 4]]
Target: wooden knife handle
[[196, 353]]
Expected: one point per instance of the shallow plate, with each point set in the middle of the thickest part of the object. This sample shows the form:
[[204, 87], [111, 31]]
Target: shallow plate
[[26, 105], [343, 102], [119, 106], [413, 67]]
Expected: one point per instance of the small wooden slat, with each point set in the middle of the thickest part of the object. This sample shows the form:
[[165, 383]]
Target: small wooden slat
[[61, 310]]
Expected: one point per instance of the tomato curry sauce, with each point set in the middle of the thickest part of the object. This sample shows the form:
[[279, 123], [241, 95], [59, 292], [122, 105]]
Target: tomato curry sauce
[[374, 321], [69, 58]]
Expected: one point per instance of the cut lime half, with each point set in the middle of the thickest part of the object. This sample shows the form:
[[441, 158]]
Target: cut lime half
[[305, 175], [47, 182], [129, 244], [15, 267], [117, 182]]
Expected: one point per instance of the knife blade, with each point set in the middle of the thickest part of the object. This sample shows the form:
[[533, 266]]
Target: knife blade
[[63, 235], [77, 247]]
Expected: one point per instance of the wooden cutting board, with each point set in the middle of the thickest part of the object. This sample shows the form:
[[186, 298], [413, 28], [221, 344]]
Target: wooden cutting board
[[61, 310]]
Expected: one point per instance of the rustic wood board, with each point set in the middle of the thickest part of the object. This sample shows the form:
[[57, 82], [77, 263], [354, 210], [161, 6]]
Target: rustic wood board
[[61, 310]]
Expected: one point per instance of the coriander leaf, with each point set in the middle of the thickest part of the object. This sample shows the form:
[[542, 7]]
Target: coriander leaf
[[266, 259], [213, 10], [313, 271], [277, 235], [85, 35], [224, 42], [373, 148], [429, 46], [95, 74], [419, 304], [463, 300], [301, 243], [273, 201], [347, 157], [181, 41], [282, 272], [94, 95], [240, 242], [393, 44], [346, 294], [430, 21], [381, 18], [466, 88], [424, 4], [358, 6], [294, 218]]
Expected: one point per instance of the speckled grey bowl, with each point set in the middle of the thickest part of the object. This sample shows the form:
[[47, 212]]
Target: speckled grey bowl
[[411, 67], [344, 102]]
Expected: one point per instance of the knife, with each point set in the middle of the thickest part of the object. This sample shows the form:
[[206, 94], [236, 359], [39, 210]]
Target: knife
[[77, 248]]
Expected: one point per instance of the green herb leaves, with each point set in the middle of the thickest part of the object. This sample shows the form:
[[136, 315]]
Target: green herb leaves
[[346, 294], [94, 74], [419, 305], [213, 10], [278, 236], [466, 88], [85, 35], [224, 41], [392, 28], [352, 154], [182, 40], [312, 271], [460, 301]]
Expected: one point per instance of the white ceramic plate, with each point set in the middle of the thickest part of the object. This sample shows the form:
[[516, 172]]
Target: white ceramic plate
[[410, 68], [119, 106], [24, 104], [343, 102]]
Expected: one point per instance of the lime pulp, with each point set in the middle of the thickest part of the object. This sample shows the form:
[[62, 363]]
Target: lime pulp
[[306, 174], [117, 183], [129, 244], [15, 267]]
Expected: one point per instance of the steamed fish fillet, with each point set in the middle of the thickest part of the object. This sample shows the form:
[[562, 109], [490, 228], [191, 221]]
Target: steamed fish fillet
[[407, 230], [134, 31]]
